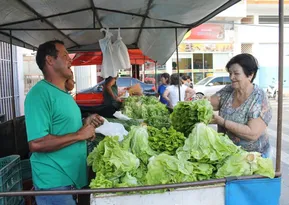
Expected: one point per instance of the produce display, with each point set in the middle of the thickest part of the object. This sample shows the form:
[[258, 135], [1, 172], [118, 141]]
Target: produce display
[[204, 144], [187, 152], [187, 114], [149, 109], [165, 140]]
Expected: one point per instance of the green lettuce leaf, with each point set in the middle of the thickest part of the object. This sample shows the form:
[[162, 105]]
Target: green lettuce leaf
[[137, 143], [245, 164], [165, 140], [205, 145], [111, 160], [187, 114], [148, 108]]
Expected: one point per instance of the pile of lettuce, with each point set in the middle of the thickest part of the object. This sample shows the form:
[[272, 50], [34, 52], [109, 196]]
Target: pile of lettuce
[[206, 145], [149, 109], [165, 140], [112, 164], [187, 114], [146, 157], [245, 164]]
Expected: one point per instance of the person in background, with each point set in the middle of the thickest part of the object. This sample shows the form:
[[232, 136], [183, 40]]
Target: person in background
[[55, 130], [187, 80], [165, 80], [184, 79], [69, 84], [171, 94], [110, 93], [244, 109]]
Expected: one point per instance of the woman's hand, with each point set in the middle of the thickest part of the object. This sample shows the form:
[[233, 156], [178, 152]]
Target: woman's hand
[[218, 120]]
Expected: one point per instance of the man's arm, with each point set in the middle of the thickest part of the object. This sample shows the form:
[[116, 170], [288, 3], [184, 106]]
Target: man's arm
[[50, 143]]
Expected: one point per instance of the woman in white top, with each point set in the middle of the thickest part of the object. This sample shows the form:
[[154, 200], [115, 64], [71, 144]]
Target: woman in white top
[[171, 95]]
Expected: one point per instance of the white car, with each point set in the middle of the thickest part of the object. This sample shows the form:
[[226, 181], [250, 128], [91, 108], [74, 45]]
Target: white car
[[210, 85]]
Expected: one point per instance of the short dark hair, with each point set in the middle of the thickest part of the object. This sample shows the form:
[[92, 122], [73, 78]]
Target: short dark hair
[[175, 79], [185, 77], [248, 62], [166, 76], [46, 49]]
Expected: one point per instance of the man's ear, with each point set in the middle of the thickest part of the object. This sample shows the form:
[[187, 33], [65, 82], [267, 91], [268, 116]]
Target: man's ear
[[49, 60]]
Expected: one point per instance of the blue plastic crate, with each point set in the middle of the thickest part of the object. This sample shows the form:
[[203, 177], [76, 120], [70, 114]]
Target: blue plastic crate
[[10, 178]]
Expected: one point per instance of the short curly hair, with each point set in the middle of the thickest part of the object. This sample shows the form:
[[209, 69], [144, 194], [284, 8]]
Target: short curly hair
[[248, 63]]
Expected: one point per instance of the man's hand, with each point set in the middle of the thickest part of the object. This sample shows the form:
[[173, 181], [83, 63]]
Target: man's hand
[[87, 132], [94, 120]]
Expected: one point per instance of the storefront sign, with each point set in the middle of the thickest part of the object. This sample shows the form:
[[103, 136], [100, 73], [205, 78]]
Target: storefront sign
[[206, 32], [207, 47]]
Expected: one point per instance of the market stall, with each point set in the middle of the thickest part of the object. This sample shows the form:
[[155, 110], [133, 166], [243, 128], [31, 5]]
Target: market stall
[[143, 23], [95, 58]]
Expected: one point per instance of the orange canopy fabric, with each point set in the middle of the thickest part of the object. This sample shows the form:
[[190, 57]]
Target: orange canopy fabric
[[95, 58]]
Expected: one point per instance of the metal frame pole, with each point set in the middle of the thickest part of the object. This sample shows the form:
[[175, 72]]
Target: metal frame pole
[[13, 92], [280, 88], [156, 75], [178, 69]]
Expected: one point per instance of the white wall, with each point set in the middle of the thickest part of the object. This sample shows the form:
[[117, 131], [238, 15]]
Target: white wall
[[236, 11], [20, 79], [85, 77], [30, 67], [260, 34]]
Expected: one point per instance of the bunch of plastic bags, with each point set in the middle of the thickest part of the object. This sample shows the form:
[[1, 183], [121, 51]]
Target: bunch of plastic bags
[[115, 55]]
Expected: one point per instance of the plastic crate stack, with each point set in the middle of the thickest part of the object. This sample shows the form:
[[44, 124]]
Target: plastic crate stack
[[10, 179]]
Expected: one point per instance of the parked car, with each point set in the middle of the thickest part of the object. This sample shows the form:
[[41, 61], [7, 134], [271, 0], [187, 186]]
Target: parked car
[[93, 96], [210, 85]]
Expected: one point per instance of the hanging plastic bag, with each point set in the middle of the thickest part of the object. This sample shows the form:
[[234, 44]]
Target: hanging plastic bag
[[108, 62], [112, 129], [120, 54]]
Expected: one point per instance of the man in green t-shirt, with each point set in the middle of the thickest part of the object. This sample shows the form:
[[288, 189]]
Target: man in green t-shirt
[[56, 134]]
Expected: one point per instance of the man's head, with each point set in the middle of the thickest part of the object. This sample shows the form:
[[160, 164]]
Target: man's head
[[53, 59]]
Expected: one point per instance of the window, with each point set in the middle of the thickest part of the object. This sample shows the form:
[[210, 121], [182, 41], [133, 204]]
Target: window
[[184, 63], [208, 61], [227, 81], [204, 81], [218, 81], [122, 82], [198, 60], [272, 19], [203, 61]]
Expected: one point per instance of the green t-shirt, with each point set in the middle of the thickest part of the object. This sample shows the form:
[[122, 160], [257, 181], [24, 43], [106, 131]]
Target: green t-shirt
[[50, 110]]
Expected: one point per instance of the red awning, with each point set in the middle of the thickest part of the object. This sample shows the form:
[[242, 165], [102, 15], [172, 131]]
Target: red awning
[[95, 58]]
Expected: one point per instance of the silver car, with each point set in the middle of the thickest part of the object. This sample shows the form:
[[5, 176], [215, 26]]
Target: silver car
[[210, 85]]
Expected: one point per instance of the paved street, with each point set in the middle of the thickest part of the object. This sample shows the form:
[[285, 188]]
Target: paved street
[[272, 130]]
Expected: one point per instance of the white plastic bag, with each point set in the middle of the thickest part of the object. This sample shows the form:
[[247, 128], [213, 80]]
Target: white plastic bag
[[108, 61], [120, 53], [112, 129], [120, 116]]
